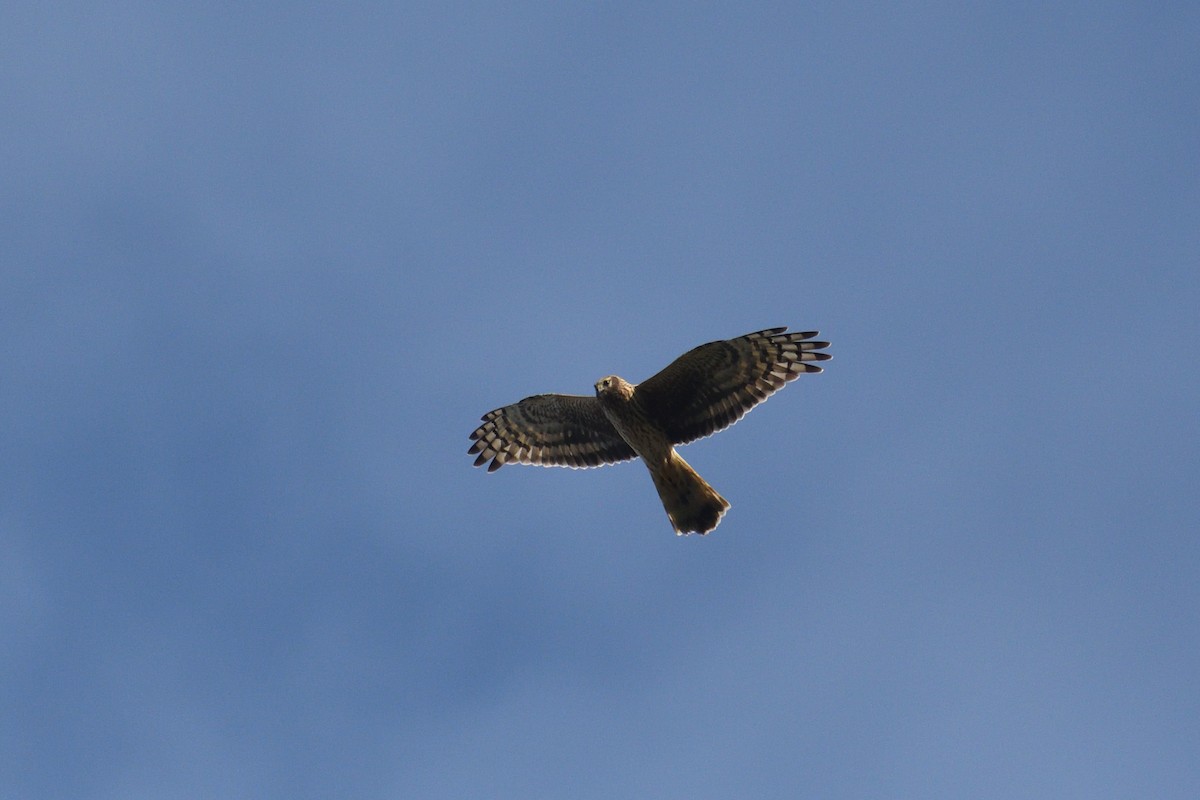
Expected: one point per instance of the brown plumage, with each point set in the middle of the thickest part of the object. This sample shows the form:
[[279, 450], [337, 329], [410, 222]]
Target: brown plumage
[[703, 391]]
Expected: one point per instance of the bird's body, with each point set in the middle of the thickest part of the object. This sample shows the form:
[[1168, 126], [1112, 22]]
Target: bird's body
[[701, 392], [692, 505]]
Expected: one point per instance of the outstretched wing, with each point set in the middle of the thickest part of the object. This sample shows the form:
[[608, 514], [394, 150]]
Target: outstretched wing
[[551, 430], [713, 386]]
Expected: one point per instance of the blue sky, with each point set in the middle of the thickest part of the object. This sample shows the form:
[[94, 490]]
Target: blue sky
[[264, 267]]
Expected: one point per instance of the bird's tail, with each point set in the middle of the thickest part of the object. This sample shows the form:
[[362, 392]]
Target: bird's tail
[[692, 505]]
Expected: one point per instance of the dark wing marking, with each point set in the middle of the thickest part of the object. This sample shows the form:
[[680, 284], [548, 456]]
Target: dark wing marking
[[713, 386], [551, 430]]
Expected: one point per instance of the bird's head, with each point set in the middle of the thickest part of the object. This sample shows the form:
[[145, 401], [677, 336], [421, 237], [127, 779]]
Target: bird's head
[[612, 387]]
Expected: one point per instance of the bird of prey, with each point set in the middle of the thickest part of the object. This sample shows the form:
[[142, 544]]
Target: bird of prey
[[703, 391]]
